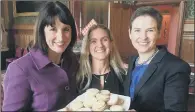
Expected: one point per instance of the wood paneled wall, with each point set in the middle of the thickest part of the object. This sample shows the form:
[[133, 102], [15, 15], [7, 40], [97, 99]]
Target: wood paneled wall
[[187, 44], [118, 13], [97, 10], [23, 34]]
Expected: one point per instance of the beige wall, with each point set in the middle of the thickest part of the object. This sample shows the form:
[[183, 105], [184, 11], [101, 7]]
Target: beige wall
[[187, 42]]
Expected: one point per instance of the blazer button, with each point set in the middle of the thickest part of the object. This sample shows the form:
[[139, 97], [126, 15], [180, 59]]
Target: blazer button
[[67, 88]]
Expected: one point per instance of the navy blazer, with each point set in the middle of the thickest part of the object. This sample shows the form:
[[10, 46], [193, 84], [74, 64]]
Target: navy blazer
[[163, 86]]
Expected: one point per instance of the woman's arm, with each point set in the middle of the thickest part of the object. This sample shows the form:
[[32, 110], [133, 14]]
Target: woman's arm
[[17, 94], [176, 90]]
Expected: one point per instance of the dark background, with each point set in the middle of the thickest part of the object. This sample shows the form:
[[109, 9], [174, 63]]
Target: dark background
[[28, 6]]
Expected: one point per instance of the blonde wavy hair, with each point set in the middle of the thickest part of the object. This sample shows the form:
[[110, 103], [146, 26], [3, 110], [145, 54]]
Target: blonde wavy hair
[[85, 69]]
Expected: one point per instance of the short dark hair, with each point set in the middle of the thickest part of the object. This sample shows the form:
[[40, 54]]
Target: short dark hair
[[147, 10], [47, 16]]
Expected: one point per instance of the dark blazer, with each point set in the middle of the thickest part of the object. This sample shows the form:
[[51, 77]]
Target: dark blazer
[[164, 85]]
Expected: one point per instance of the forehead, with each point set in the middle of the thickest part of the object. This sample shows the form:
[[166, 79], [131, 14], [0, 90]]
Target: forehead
[[144, 21], [98, 34]]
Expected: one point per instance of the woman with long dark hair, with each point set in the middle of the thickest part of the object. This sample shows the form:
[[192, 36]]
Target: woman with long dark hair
[[44, 79]]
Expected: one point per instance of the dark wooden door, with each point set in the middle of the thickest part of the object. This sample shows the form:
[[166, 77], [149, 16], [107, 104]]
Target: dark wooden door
[[171, 32], [119, 24]]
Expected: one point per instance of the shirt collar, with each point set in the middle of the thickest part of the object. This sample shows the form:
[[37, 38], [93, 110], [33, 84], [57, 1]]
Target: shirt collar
[[40, 60]]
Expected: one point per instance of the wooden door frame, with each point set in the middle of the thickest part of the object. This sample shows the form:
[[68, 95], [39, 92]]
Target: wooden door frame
[[156, 2], [161, 2], [182, 9]]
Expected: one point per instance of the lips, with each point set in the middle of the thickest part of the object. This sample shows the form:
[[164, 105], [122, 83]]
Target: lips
[[59, 43], [143, 43], [100, 50]]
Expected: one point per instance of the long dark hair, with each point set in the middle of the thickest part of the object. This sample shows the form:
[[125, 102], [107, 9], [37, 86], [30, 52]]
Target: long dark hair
[[47, 16]]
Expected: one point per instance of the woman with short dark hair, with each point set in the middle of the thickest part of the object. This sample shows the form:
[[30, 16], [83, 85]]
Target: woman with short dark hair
[[44, 79], [157, 81]]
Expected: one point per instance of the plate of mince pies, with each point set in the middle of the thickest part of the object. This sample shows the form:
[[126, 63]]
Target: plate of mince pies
[[98, 100]]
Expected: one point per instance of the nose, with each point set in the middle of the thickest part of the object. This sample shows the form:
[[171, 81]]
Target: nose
[[59, 35], [99, 43], [143, 34]]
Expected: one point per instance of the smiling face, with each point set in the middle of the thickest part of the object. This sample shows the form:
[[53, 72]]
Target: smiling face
[[99, 44], [144, 33], [58, 36]]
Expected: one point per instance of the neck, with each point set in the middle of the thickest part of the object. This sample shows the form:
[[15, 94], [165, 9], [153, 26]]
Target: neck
[[100, 67], [145, 56], [54, 57]]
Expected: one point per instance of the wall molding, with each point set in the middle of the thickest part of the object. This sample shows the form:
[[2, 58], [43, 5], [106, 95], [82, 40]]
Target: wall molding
[[188, 27], [23, 26], [23, 34], [189, 21]]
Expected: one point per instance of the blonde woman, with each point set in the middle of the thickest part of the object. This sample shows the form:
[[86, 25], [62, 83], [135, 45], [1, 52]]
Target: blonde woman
[[100, 63]]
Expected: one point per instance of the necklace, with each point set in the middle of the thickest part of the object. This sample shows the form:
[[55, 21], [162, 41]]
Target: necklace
[[100, 76], [143, 63]]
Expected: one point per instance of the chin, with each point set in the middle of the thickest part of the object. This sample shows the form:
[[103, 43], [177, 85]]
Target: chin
[[144, 50], [101, 58], [141, 48], [59, 50]]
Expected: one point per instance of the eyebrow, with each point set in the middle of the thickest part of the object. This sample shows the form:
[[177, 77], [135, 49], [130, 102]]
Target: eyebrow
[[104, 37], [152, 28], [100, 38], [92, 39], [147, 28]]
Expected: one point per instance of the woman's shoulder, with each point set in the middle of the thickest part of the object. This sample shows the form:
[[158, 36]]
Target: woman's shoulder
[[19, 66], [23, 61], [167, 57], [172, 63], [174, 60], [33, 59]]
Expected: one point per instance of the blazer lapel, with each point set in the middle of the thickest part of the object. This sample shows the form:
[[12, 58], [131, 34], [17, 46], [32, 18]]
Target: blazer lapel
[[149, 72], [129, 75], [151, 69]]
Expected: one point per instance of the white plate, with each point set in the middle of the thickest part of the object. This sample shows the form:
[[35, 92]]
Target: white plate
[[126, 104]]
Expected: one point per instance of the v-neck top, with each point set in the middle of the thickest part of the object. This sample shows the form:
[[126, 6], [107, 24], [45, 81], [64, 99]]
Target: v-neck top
[[113, 84], [137, 74]]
